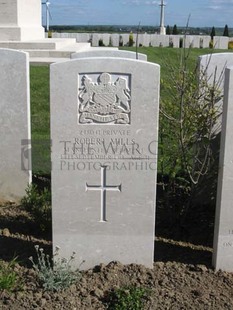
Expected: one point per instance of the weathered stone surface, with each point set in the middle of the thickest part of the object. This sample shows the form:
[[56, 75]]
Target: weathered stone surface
[[104, 123], [20, 20], [103, 52], [223, 236], [15, 154], [214, 66]]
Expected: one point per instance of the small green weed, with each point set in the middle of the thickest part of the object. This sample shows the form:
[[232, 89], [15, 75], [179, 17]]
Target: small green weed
[[38, 204], [127, 298], [54, 274], [9, 280]]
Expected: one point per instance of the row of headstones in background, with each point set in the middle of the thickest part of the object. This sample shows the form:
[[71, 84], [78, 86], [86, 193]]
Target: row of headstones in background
[[15, 132], [155, 40], [104, 162]]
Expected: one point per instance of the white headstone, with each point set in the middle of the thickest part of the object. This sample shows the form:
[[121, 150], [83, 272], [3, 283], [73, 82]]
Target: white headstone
[[174, 41], [215, 64], [104, 128], [109, 53], [214, 67], [125, 39], [205, 41], [146, 40], [223, 235], [15, 134], [83, 37], [159, 40], [221, 42], [20, 20], [106, 39], [95, 39], [115, 39]]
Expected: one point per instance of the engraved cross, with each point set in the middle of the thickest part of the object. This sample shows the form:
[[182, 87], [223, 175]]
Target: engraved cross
[[103, 187]]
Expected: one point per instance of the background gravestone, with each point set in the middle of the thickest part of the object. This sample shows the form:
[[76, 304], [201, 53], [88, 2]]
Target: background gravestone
[[104, 127], [109, 53], [15, 170], [223, 235], [214, 65]]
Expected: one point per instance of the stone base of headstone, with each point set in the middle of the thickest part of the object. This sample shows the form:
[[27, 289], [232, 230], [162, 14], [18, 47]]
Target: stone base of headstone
[[21, 34], [20, 20]]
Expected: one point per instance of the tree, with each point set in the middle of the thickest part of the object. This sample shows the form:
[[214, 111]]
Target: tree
[[175, 30], [168, 30], [212, 34], [226, 31]]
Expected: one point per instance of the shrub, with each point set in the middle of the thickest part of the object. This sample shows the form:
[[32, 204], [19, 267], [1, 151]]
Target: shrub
[[101, 43], [188, 122], [211, 44], [230, 45], [9, 279], [131, 41], [54, 275], [127, 298], [50, 34], [38, 204]]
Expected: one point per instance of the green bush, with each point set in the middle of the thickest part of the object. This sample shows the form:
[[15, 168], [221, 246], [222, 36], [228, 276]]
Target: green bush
[[127, 298], [211, 44], [101, 43], [9, 280], [230, 45], [38, 204], [131, 41]]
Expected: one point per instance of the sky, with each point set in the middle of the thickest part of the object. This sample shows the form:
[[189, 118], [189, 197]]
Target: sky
[[203, 13]]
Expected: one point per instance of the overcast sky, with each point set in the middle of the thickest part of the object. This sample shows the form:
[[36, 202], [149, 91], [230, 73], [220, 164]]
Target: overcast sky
[[130, 12]]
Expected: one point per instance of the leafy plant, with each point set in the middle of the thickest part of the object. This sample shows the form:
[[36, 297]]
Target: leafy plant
[[9, 280], [190, 113], [38, 203], [54, 274], [127, 298], [230, 45], [131, 41]]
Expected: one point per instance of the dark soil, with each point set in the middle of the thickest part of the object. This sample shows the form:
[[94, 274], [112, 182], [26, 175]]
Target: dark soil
[[182, 277]]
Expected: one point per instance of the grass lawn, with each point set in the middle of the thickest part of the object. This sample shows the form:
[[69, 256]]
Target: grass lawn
[[39, 78], [40, 119]]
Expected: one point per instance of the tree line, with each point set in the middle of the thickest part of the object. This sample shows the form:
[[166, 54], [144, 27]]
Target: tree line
[[212, 33]]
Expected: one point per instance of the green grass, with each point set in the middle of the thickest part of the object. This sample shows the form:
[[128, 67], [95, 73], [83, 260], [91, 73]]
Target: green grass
[[167, 58], [40, 119]]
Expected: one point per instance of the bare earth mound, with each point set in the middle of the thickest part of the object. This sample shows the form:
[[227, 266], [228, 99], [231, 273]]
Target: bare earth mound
[[182, 277]]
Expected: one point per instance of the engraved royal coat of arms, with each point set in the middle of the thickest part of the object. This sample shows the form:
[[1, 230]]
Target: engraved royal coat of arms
[[104, 101]]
